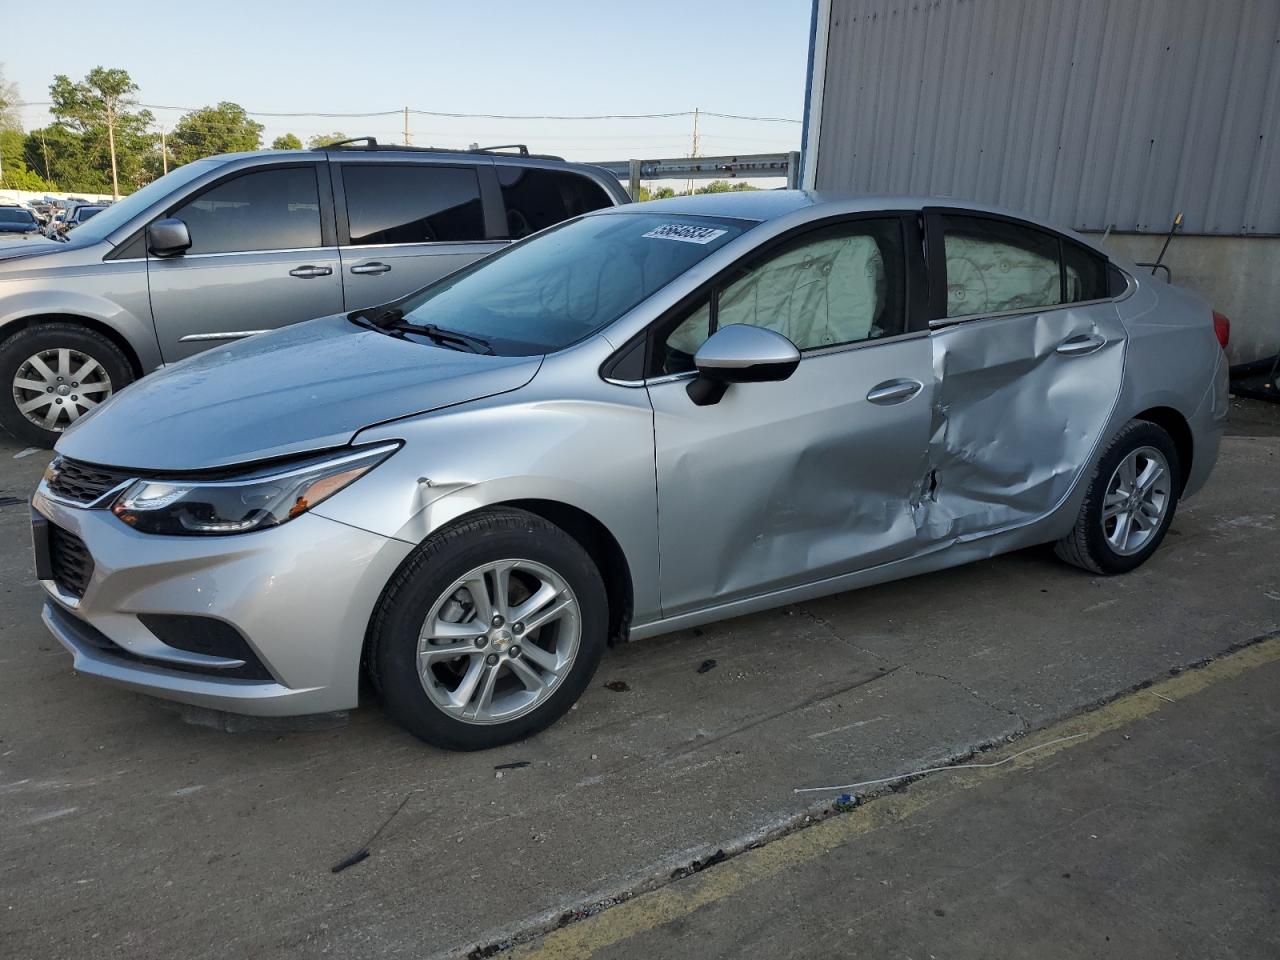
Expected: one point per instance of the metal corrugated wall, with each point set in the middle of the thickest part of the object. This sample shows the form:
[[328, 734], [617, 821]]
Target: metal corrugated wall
[[1086, 112]]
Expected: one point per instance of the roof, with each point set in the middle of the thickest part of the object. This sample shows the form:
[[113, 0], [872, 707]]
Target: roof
[[765, 205]]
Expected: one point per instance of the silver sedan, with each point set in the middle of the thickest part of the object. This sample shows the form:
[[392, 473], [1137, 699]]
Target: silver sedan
[[644, 419]]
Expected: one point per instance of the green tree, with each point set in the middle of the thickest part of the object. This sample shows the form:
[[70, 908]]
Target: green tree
[[100, 110], [14, 172], [225, 128], [67, 160], [323, 139], [723, 186], [288, 142]]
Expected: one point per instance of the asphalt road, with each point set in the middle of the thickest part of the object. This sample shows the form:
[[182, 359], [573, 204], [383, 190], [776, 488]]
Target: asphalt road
[[131, 833]]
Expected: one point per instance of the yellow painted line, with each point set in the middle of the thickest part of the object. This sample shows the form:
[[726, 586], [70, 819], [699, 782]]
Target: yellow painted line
[[650, 910]]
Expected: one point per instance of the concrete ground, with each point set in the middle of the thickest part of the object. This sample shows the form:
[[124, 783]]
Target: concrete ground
[[130, 833], [1152, 835]]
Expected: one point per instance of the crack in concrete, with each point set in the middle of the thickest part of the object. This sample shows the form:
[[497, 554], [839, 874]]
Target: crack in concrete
[[1023, 723]]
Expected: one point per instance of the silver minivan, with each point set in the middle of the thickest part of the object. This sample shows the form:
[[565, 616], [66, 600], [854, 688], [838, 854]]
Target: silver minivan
[[237, 244]]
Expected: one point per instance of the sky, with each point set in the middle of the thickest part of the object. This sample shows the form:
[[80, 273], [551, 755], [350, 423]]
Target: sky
[[482, 56]]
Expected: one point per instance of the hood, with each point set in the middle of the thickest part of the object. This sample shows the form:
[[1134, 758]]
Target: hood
[[305, 387], [16, 245]]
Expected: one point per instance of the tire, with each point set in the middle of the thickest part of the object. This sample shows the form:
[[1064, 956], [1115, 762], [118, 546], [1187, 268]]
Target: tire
[[20, 380], [1094, 544], [428, 591]]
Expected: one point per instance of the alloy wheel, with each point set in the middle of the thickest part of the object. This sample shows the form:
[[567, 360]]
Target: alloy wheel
[[1137, 498], [499, 642], [54, 388]]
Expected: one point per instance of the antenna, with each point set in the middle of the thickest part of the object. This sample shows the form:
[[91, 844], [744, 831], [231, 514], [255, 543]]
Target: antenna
[[1177, 222]]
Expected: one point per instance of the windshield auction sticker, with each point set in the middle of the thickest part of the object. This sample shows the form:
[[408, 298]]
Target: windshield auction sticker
[[685, 233]]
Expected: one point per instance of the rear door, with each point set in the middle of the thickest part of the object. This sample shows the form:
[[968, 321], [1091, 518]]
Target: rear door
[[262, 256], [1029, 352], [403, 223]]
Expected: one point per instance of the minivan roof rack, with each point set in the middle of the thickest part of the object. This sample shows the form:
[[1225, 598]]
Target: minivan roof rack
[[371, 143]]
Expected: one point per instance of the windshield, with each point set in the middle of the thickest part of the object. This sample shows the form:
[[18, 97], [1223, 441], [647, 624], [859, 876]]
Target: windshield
[[564, 284], [16, 216], [118, 214]]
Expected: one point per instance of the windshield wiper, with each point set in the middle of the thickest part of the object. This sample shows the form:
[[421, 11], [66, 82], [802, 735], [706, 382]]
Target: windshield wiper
[[393, 321]]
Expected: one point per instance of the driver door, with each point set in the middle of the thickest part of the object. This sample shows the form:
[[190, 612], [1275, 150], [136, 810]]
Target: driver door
[[785, 483], [258, 260]]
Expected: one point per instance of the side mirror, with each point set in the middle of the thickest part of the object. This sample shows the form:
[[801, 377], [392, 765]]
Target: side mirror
[[740, 353], [168, 237]]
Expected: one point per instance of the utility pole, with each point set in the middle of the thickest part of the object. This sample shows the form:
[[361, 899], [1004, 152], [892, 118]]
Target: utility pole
[[689, 185], [406, 126], [44, 146], [164, 153], [111, 145]]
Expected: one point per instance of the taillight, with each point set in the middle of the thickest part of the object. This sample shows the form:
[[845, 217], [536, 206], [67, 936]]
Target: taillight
[[1221, 328]]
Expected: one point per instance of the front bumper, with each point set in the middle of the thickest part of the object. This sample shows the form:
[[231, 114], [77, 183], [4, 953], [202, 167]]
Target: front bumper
[[300, 594]]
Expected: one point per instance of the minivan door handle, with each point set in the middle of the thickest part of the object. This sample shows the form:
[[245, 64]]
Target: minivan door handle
[[307, 272], [1081, 344], [894, 391], [371, 268]]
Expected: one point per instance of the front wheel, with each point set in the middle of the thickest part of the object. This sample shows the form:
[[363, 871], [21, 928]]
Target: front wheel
[[53, 374], [489, 632], [1130, 503]]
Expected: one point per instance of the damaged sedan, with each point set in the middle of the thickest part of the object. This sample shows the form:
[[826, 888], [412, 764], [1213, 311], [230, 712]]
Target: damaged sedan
[[641, 420]]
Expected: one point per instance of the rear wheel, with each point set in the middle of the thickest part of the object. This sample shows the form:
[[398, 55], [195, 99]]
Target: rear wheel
[[490, 632], [53, 374], [1130, 503]]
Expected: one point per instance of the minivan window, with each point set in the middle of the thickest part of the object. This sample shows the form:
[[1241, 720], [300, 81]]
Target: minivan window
[[418, 203], [14, 215], [535, 198], [552, 290], [265, 210], [124, 210]]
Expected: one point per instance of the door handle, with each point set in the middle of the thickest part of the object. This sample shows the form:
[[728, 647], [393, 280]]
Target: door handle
[[1081, 344], [307, 272], [371, 268], [894, 391]]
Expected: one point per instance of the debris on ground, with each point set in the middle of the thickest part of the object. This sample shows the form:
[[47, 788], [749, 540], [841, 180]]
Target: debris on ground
[[363, 852], [697, 866], [513, 765], [706, 665], [617, 686], [844, 803]]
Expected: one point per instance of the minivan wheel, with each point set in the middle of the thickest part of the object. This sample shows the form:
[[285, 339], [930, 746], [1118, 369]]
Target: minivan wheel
[[489, 632], [53, 374], [1132, 496]]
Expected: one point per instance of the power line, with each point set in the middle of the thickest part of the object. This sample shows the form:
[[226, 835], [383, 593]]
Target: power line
[[462, 116]]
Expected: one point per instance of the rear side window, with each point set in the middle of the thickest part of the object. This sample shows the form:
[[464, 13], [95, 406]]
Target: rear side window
[[403, 203], [1085, 274], [266, 210], [994, 266], [535, 198]]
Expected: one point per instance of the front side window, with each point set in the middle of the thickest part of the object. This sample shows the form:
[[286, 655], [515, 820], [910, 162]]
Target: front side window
[[552, 290], [412, 203], [265, 210], [536, 198], [836, 285], [994, 266]]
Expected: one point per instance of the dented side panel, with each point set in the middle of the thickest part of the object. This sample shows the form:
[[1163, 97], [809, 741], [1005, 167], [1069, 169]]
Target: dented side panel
[[1017, 416], [785, 483]]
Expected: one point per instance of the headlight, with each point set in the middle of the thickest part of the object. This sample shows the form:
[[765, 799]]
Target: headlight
[[253, 502]]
